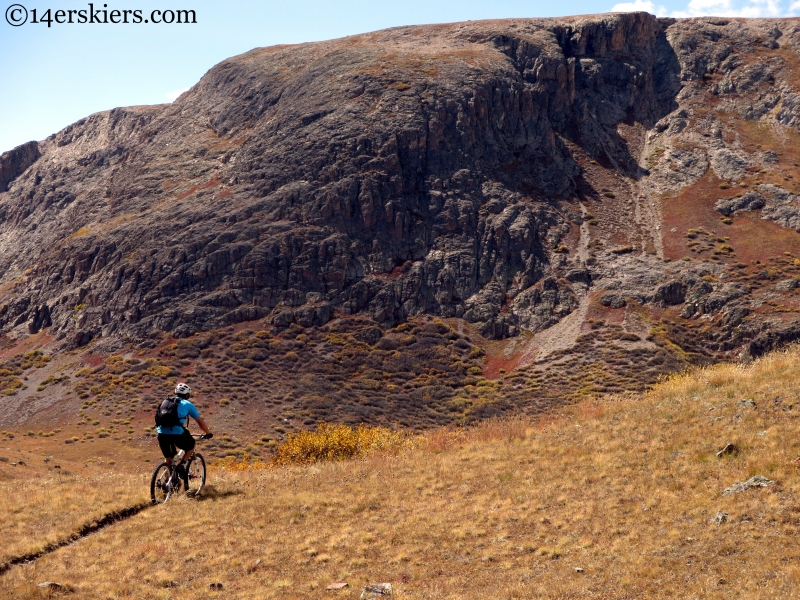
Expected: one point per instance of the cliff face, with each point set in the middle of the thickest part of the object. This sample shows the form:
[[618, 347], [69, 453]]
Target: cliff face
[[414, 170], [515, 174], [14, 163]]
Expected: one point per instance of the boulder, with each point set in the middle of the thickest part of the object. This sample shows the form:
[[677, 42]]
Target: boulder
[[720, 518], [670, 293], [53, 587], [754, 481], [612, 300], [340, 585], [747, 201], [374, 591], [786, 285], [727, 450]]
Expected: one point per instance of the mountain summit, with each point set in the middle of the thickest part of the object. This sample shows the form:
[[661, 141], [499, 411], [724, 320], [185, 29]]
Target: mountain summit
[[618, 186]]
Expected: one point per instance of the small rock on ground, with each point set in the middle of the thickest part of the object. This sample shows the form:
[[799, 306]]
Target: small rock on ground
[[376, 590], [754, 481], [52, 586], [254, 566], [728, 449], [720, 518], [339, 585]]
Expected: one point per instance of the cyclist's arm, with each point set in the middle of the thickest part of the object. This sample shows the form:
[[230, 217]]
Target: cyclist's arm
[[203, 425]]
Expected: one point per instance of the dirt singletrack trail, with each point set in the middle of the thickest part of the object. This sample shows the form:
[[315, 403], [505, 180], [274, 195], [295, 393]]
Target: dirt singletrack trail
[[86, 530]]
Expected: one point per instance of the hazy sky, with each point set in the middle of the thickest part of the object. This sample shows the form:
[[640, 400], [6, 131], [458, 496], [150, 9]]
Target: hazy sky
[[53, 76]]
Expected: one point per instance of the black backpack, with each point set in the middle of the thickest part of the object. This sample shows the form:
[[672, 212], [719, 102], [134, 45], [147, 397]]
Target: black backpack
[[167, 412]]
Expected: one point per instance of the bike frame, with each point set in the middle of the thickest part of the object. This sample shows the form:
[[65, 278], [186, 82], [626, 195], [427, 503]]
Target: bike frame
[[175, 464], [173, 468]]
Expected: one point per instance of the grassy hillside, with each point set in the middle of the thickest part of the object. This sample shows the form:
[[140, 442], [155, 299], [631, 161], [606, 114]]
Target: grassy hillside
[[613, 498], [255, 386]]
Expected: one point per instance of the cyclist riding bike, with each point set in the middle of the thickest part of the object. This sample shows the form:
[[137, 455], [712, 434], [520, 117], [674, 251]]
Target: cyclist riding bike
[[178, 436]]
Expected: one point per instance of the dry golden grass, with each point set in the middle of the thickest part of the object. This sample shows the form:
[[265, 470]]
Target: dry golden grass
[[623, 488], [43, 509]]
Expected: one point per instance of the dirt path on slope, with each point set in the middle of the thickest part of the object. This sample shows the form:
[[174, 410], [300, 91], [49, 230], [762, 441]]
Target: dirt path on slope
[[87, 529]]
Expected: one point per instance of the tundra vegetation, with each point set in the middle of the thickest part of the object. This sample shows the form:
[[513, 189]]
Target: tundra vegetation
[[614, 498]]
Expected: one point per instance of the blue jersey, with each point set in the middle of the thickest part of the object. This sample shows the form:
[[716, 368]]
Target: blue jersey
[[185, 410]]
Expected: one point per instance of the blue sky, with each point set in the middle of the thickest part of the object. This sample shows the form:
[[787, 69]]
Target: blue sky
[[51, 77]]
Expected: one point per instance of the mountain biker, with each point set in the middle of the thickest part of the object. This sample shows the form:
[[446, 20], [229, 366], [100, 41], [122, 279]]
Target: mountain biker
[[170, 438]]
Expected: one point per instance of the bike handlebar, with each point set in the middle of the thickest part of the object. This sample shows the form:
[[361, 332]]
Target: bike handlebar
[[204, 436]]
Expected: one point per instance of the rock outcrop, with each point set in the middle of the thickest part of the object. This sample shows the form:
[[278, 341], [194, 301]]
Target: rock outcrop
[[507, 173], [415, 170], [15, 162]]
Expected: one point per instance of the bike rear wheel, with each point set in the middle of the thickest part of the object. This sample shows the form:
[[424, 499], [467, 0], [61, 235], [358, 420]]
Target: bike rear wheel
[[160, 490], [196, 475]]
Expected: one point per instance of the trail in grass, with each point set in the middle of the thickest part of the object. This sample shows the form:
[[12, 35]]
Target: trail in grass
[[85, 530]]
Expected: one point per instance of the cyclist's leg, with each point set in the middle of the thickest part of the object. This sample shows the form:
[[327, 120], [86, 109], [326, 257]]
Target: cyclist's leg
[[186, 442], [167, 445]]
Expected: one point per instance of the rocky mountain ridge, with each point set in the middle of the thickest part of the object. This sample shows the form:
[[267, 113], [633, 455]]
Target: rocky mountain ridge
[[536, 180], [335, 176]]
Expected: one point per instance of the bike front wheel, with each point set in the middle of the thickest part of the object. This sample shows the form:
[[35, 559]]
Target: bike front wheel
[[196, 475], [160, 488]]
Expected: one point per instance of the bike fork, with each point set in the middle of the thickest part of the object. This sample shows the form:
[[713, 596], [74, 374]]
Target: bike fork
[[173, 476]]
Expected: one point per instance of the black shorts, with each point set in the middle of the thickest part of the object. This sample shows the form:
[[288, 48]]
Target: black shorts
[[168, 442]]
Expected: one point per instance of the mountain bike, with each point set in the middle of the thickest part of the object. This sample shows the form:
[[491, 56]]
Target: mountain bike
[[168, 479]]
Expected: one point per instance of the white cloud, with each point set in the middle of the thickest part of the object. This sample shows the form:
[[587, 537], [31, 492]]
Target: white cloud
[[172, 96], [719, 8], [726, 8], [635, 6]]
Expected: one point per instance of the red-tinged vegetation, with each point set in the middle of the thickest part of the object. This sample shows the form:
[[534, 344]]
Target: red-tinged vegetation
[[623, 496]]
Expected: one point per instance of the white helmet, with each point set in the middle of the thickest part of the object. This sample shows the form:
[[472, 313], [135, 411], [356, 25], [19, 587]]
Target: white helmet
[[182, 390]]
